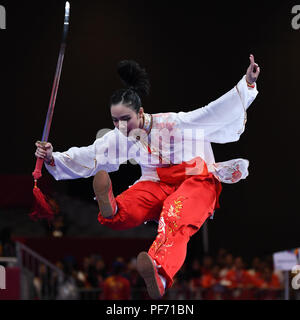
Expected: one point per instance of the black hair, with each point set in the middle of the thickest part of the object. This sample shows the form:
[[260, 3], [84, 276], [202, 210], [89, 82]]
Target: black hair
[[137, 84], [117, 267]]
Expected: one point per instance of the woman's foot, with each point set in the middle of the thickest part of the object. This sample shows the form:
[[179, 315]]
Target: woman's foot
[[103, 191], [147, 269]]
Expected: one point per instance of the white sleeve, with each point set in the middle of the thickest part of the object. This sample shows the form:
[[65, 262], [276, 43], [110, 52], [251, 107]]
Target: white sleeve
[[223, 120], [84, 162], [231, 171]]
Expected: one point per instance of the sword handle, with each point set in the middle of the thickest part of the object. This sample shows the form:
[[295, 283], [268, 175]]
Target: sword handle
[[37, 173]]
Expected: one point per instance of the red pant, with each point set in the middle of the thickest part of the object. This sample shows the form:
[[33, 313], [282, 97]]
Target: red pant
[[179, 201]]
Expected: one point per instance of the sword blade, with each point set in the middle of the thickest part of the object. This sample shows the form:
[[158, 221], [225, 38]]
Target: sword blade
[[55, 85]]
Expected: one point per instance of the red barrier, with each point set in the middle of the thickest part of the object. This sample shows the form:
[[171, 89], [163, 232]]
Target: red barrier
[[12, 291]]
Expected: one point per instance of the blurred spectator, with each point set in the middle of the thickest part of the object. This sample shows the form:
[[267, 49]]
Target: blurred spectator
[[256, 267], [101, 270], [131, 269], [195, 270], [82, 275], [96, 271], [213, 287], [270, 280], [279, 273], [256, 271], [67, 288], [181, 289], [136, 281], [116, 287], [227, 265], [194, 280], [239, 281], [195, 275], [269, 285], [220, 259], [92, 277], [207, 264], [70, 266]]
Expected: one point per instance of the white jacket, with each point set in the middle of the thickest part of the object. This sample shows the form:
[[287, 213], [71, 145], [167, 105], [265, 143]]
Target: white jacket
[[221, 121]]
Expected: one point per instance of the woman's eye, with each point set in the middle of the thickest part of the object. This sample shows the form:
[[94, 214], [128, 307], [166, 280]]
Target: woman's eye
[[121, 120]]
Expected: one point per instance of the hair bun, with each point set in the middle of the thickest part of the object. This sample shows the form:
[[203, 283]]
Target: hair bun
[[134, 77]]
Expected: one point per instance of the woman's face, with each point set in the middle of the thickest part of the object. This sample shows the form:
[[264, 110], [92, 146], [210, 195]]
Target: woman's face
[[123, 116]]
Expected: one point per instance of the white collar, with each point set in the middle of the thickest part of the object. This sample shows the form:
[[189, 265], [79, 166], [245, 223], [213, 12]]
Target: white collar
[[148, 120]]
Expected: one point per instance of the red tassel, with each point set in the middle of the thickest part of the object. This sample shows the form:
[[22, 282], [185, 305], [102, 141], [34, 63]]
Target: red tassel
[[44, 207]]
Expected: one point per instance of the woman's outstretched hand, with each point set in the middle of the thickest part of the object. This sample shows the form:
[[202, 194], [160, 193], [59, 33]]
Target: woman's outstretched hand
[[252, 71]]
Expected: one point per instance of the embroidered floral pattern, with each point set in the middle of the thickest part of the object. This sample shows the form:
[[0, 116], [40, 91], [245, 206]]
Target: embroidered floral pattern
[[163, 120], [230, 171], [236, 175], [168, 224], [174, 210], [167, 125], [161, 225]]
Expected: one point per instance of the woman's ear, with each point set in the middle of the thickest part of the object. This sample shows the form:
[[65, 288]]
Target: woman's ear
[[141, 112]]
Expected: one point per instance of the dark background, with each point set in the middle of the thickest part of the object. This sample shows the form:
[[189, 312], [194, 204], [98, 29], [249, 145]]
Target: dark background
[[193, 53]]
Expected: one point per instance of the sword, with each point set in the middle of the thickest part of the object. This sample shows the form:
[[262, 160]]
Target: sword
[[39, 162], [42, 206]]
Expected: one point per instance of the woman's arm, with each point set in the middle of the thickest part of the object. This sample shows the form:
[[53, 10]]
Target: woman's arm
[[223, 120], [84, 162]]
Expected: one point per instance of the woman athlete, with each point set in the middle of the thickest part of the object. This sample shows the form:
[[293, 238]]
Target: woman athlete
[[180, 182]]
